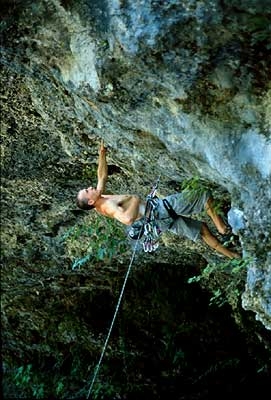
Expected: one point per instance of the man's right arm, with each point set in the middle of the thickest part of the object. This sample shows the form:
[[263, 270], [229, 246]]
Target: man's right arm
[[102, 171]]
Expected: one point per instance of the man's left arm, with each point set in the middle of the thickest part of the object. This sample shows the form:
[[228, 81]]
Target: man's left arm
[[130, 214], [102, 171]]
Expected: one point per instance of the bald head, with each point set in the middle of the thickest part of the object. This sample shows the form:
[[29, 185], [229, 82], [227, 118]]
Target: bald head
[[82, 202]]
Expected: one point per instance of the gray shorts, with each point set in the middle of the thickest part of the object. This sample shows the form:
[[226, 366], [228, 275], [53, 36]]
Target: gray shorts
[[187, 207]]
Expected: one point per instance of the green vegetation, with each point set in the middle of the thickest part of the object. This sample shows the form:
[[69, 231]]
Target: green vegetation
[[196, 186], [228, 281], [259, 27], [29, 382], [163, 328], [99, 239]]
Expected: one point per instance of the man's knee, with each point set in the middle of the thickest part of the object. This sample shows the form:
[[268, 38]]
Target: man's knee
[[204, 231], [209, 203]]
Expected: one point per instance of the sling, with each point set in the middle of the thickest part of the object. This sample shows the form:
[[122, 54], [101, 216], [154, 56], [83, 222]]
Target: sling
[[170, 210]]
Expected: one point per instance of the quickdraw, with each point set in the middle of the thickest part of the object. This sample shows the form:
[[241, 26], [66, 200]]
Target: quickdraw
[[151, 229], [147, 226]]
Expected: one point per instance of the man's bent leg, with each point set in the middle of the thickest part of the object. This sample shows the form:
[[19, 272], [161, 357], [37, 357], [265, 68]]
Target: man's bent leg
[[217, 220], [215, 244]]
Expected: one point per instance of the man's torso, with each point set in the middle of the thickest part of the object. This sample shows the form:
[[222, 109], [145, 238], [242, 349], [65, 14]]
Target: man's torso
[[120, 201]]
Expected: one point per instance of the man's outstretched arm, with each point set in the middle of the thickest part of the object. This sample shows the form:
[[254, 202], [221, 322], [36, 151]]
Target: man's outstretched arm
[[102, 171]]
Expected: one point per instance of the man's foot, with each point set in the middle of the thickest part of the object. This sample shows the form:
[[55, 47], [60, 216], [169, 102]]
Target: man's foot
[[225, 229], [230, 239], [215, 244], [235, 255]]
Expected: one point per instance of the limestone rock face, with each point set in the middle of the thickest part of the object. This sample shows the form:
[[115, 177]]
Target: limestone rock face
[[175, 89]]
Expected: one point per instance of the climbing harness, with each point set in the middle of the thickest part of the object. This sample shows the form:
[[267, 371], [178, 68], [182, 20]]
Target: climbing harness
[[147, 226], [170, 211], [151, 244], [136, 230], [151, 233]]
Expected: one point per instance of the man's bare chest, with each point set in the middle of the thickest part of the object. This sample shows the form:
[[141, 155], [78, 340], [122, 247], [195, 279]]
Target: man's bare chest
[[116, 200]]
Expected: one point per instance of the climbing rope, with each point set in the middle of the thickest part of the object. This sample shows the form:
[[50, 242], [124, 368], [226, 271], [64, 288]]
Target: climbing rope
[[112, 323], [151, 195]]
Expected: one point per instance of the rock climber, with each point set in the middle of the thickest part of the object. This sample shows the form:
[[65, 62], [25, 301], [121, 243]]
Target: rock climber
[[129, 209]]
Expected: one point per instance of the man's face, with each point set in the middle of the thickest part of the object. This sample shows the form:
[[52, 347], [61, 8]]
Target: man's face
[[90, 194]]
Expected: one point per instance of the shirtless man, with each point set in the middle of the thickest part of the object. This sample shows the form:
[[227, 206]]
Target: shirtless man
[[128, 208]]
